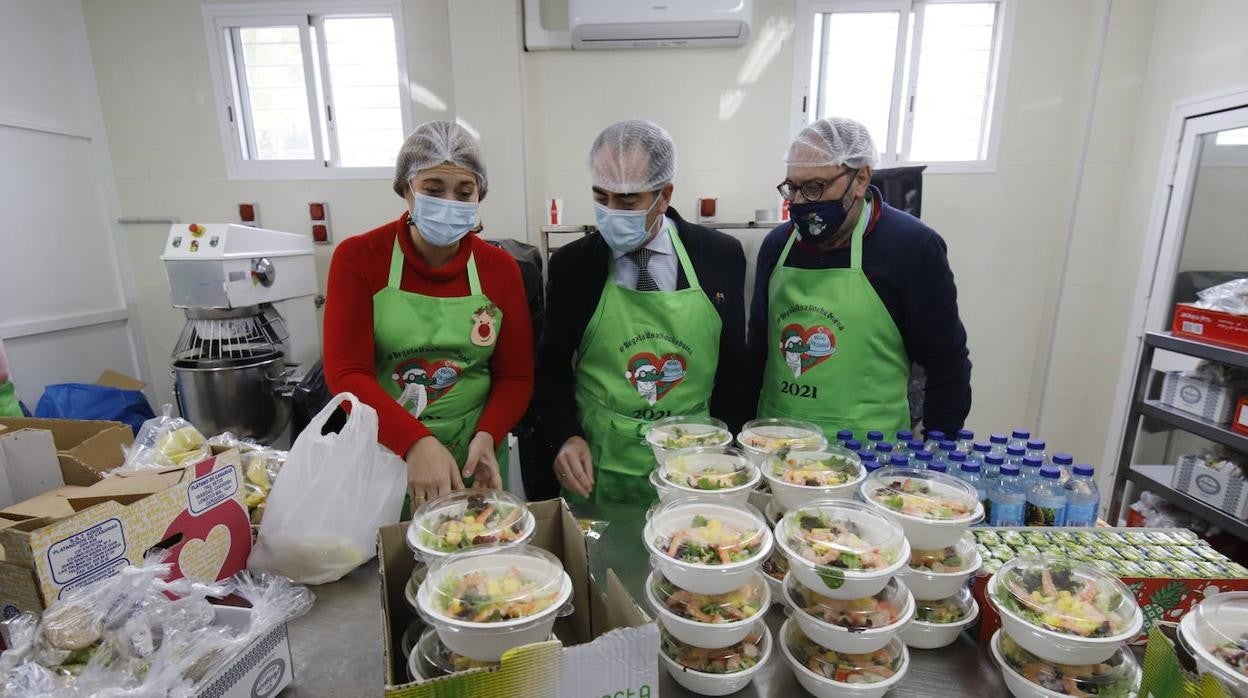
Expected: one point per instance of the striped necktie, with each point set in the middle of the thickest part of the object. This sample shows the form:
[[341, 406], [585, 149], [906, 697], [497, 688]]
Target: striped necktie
[[641, 258]]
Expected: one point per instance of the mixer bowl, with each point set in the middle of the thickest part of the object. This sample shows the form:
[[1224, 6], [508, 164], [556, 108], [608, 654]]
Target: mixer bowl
[[244, 396]]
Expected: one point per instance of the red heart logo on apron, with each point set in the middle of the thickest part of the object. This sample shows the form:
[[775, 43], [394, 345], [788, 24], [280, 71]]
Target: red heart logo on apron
[[436, 377], [655, 376], [804, 348]]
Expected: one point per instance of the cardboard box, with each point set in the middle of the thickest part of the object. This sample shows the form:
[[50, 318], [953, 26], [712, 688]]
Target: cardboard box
[[1240, 421], [262, 669], [608, 646], [1222, 489], [75, 535], [85, 449], [1212, 326], [1210, 402]]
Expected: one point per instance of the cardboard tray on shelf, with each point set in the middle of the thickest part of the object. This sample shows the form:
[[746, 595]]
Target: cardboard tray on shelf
[[1210, 326], [608, 646]]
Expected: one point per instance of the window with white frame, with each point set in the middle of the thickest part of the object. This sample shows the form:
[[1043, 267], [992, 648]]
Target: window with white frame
[[922, 75], [309, 90]]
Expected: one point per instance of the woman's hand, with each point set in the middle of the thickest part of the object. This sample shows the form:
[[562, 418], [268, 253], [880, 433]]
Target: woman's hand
[[431, 470], [482, 462], [574, 467]]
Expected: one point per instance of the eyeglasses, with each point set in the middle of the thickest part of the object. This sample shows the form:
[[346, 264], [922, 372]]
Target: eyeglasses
[[811, 191]]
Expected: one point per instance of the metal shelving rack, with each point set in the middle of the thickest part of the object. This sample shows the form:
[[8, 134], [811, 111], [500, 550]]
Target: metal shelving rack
[[1151, 414]]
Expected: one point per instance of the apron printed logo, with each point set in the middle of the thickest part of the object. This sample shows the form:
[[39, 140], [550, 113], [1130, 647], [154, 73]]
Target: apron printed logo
[[484, 331], [654, 376], [422, 382], [806, 347]]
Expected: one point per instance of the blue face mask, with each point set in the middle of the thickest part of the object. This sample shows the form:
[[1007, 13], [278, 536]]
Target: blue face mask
[[623, 231], [443, 222]]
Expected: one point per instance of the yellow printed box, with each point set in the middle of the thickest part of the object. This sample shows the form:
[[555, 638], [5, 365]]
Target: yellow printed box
[[77, 535], [607, 647]]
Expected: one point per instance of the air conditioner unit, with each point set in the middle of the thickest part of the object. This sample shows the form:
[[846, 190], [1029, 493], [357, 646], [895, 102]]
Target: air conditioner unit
[[606, 24]]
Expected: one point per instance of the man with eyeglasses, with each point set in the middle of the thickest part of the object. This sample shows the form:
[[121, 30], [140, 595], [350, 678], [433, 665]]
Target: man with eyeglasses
[[645, 320], [848, 294]]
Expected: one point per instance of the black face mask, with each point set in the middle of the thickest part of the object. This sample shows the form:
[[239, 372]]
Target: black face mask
[[819, 220]]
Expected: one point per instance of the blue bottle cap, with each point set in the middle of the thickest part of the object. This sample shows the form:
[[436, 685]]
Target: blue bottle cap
[[1063, 458], [853, 445], [884, 447], [1033, 461], [844, 435], [994, 459], [1084, 469], [1016, 450], [1050, 472], [1021, 434], [925, 456], [981, 447], [871, 465], [938, 467], [1036, 444], [957, 457], [866, 455], [970, 467], [1009, 469], [905, 435], [999, 439], [947, 445], [965, 434], [935, 435], [899, 460], [875, 435], [916, 445]]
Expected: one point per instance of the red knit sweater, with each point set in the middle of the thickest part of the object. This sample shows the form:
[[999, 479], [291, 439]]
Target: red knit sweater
[[361, 267]]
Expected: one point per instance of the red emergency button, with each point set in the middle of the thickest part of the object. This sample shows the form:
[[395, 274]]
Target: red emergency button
[[196, 229]]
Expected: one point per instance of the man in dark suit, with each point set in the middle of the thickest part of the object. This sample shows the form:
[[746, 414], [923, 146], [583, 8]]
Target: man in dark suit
[[645, 320]]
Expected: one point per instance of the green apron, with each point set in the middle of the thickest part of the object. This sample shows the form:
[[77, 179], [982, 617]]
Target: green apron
[[433, 356], [834, 355], [645, 355], [9, 406]]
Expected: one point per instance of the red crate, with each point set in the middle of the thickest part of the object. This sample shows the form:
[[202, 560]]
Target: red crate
[[1210, 326]]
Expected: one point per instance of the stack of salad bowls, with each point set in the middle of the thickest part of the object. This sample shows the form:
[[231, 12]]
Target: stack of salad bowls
[[1216, 634]]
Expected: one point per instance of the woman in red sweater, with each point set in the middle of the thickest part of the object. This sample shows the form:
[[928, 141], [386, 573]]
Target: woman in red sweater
[[429, 325]]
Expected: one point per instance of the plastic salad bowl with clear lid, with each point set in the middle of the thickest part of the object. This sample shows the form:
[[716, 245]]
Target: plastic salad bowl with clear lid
[[938, 574], [855, 626], [466, 519], [484, 602], [934, 509], [761, 438], [1064, 612], [667, 436], [937, 623], [430, 659], [798, 477], [841, 549], [1216, 632], [716, 671], [829, 674], [719, 472], [1029, 676], [708, 620], [706, 546], [775, 568]]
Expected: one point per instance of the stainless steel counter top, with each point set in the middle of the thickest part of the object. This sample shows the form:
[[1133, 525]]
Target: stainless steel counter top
[[337, 646]]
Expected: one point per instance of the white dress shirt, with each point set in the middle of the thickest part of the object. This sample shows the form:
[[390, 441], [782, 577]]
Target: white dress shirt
[[663, 262]]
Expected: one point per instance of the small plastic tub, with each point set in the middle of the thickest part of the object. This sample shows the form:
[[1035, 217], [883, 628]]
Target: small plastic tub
[[468, 519], [864, 675], [716, 672], [934, 509], [856, 626], [939, 574], [937, 623], [842, 550], [710, 621], [762, 438], [797, 478], [707, 546]]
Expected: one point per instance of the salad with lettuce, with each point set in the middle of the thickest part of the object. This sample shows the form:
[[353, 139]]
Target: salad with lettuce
[[711, 541], [1052, 596], [1112, 679]]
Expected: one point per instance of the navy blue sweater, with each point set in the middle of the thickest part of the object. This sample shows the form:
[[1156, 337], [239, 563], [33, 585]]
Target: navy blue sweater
[[906, 263]]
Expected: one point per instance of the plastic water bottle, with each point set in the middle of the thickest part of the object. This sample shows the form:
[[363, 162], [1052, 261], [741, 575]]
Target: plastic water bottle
[[1046, 499], [873, 438], [938, 467], [966, 440], [883, 451], [1019, 438], [1030, 469], [1064, 462], [992, 467], [1036, 447], [869, 463], [942, 455], [934, 437], [1083, 498], [916, 446], [865, 455], [999, 442], [853, 445], [922, 460], [970, 473], [899, 460], [1008, 498], [979, 451], [1014, 455], [904, 436], [955, 461], [844, 435]]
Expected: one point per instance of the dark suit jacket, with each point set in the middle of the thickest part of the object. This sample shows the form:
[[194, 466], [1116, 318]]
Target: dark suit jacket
[[578, 272]]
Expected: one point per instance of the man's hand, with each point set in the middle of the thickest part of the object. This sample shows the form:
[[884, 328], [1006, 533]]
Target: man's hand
[[574, 467]]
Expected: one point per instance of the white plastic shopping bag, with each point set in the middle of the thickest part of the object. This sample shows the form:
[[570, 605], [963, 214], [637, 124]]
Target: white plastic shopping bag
[[329, 499]]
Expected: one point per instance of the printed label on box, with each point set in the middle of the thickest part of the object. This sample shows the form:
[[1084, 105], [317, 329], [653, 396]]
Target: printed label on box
[[108, 570], [86, 551], [212, 489]]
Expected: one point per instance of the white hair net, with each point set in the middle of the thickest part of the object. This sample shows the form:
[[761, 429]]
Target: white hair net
[[631, 157], [435, 143], [833, 141]]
